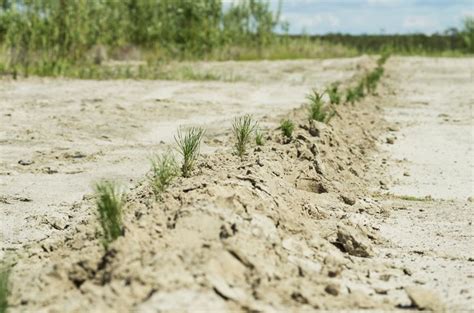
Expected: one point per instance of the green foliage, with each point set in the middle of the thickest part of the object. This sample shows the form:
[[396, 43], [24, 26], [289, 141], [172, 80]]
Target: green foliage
[[467, 34], [368, 82], [45, 37], [359, 90], [4, 290], [351, 96], [316, 108], [373, 78], [451, 42], [164, 170], [259, 141], [243, 127], [287, 127], [110, 202], [188, 146], [333, 93]]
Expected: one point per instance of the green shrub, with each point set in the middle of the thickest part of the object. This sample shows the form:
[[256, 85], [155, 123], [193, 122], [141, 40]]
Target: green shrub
[[110, 202], [243, 127], [287, 127], [188, 146], [164, 170]]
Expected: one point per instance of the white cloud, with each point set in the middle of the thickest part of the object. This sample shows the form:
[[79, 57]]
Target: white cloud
[[299, 21], [419, 22], [467, 13], [383, 2]]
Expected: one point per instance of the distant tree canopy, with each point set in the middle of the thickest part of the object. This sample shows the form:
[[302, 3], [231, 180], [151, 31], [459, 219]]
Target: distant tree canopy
[[453, 39]]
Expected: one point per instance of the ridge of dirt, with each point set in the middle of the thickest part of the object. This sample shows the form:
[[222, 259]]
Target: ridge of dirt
[[58, 136], [289, 228]]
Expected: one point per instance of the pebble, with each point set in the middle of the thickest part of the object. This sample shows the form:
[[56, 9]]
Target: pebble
[[25, 162]]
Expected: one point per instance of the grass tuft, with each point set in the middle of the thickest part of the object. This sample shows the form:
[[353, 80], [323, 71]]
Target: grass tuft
[[188, 146], [287, 127], [333, 93], [110, 202], [243, 127], [164, 170], [259, 141], [317, 111], [4, 291]]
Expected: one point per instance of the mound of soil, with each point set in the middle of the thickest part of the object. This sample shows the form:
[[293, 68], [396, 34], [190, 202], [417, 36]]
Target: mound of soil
[[288, 227]]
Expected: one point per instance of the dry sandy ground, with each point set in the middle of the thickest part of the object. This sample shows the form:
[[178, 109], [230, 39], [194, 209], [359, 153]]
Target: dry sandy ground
[[77, 132], [299, 226], [432, 160]]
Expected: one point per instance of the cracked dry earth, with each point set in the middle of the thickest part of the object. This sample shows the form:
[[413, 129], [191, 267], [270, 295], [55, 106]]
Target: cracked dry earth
[[322, 222]]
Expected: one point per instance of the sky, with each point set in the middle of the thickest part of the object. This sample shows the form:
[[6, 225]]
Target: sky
[[374, 16]]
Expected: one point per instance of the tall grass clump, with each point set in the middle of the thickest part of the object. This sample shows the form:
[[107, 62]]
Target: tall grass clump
[[287, 127], [4, 290], [188, 146], [243, 127], [164, 170], [110, 202]]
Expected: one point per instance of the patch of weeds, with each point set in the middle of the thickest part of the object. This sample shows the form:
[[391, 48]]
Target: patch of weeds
[[110, 202], [243, 127], [188, 146], [287, 127], [259, 141], [4, 291], [333, 93], [164, 170]]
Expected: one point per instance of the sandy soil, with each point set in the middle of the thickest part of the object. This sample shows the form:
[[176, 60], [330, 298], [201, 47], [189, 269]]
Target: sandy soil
[[431, 160], [76, 132], [322, 222]]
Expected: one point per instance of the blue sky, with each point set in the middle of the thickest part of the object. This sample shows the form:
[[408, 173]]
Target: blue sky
[[374, 16]]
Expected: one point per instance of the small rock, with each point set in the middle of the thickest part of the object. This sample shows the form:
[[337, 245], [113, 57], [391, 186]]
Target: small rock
[[470, 199], [354, 241], [385, 277], [349, 200], [423, 299], [406, 174], [25, 162], [407, 271], [381, 291], [390, 140], [332, 289]]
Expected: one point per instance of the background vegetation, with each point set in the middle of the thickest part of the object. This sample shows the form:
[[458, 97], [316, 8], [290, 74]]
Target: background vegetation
[[79, 38]]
